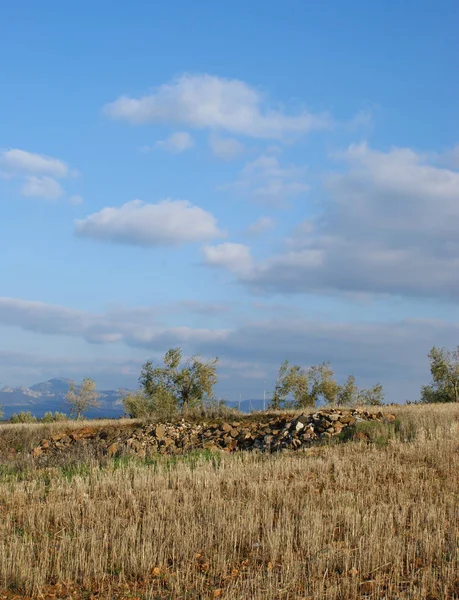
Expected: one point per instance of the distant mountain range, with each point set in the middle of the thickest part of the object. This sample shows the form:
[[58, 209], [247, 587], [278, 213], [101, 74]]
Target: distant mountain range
[[50, 396]]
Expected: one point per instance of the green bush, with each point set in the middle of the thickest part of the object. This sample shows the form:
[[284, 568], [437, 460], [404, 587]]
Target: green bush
[[49, 417], [375, 432], [23, 417], [161, 406]]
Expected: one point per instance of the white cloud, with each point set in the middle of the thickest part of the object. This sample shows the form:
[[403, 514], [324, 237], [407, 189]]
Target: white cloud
[[209, 102], [392, 352], [233, 257], [261, 225], [37, 172], [21, 161], [167, 223], [268, 182], [389, 227], [225, 148], [42, 187], [177, 142], [134, 327], [76, 200]]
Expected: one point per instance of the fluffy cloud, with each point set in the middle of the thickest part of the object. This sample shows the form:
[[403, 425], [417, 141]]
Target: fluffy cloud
[[260, 226], [209, 102], [21, 161], [167, 223], [225, 148], [177, 142], [134, 327], [389, 226], [266, 181], [233, 257], [42, 187], [38, 173]]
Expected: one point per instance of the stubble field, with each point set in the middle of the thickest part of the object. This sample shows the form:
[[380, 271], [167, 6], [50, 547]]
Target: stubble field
[[359, 519]]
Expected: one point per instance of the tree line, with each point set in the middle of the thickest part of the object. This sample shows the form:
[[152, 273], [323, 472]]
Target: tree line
[[178, 387]]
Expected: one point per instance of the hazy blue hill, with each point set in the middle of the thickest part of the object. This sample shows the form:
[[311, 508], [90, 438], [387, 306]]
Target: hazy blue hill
[[58, 385], [50, 396]]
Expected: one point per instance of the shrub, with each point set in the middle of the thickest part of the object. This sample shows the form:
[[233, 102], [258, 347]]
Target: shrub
[[49, 417], [161, 406], [376, 432], [23, 417]]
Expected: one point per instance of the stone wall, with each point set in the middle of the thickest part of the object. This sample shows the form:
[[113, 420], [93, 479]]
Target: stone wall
[[278, 432]]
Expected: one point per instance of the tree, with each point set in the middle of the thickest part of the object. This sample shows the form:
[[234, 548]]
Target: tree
[[1, 411], [323, 384], [348, 394], [444, 368], [82, 398], [283, 386], [178, 386], [307, 386], [372, 397]]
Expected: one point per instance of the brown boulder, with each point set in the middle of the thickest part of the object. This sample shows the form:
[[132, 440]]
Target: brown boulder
[[113, 449]]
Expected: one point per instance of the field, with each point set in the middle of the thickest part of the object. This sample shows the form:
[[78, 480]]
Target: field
[[359, 519]]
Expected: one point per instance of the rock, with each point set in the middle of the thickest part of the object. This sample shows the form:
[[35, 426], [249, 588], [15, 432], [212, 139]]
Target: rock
[[276, 432], [135, 445], [348, 420], [160, 432], [113, 449]]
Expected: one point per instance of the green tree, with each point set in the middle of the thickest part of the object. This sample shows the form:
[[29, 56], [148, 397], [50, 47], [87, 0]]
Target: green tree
[[1, 411], [174, 385], [372, 397], [82, 398], [444, 368], [305, 387], [283, 386], [323, 384], [348, 394]]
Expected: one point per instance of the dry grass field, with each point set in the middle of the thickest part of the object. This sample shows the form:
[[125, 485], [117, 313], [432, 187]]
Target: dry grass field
[[339, 521]]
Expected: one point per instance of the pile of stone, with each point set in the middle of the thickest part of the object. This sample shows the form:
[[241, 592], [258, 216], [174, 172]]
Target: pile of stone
[[268, 434]]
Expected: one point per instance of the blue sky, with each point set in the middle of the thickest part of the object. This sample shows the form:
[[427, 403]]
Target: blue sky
[[253, 180]]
